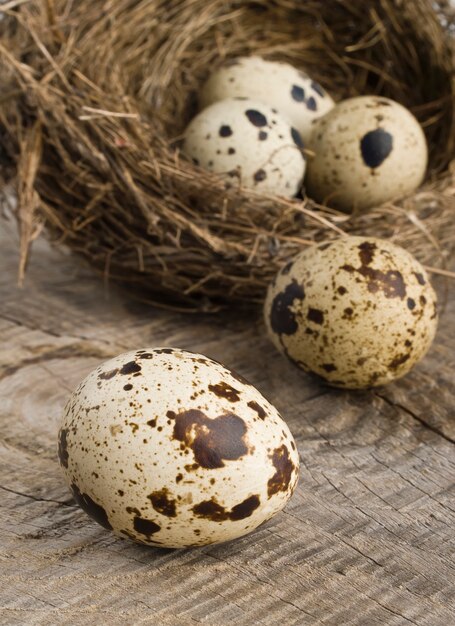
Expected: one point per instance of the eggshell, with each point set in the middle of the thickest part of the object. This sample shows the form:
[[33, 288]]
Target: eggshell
[[368, 150], [248, 142], [172, 449], [297, 97], [358, 312]]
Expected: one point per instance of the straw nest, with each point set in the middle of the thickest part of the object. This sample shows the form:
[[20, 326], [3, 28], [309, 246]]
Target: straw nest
[[96, 93]]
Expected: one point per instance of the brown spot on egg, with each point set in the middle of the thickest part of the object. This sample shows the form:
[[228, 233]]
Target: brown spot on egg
[[163, 503], [130, 368], [223, 390], [108, 375], [63, 447], [329, 367], [145, 355], [342, 290], [212, 440], [398, 360], [210, 509], [91, 507], [215, 512], [391, 282], [420, 278], [258, 408], [410, 304], [260, 175], [244, 509], [145, 526], [128, 387], [315, 315], [283, 471], [366, 252], [282, 319]]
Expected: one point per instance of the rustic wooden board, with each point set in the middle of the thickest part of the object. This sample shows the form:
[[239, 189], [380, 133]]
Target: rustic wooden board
[[368, 538]]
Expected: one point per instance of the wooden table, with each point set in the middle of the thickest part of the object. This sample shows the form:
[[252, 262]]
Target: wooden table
[[368, 539]]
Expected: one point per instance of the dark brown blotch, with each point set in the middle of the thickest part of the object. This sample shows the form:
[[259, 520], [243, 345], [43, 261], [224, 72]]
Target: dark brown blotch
[[260, 175], [315, 315], [215, 512], [225, 131], [223, 390], [130, 368], [366, 252], [258, 408], [91, 507], [284, 468], [63, 447], [411, 304], [398, 360], [163, 503], [145, 526], [420, 278], [244, 509], [213, 441], [282, 319], [329, 367], [256, 117]]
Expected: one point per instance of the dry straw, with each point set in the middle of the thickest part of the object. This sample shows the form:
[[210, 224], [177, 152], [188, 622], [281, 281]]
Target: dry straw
[[94, 95]]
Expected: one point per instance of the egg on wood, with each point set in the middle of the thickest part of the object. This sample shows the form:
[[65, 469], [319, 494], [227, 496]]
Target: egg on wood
[[359, 312], [250, 144], [170, 448], [299, 98], [367, 150]]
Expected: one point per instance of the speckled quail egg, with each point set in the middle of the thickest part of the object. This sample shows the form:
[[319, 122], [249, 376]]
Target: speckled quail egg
[[359, 312], [248, 142], [296, 96], [367, 150], [170, 448]]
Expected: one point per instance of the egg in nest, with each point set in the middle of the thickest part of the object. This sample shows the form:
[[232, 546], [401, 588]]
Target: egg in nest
[[358, 312], [170, 448], [250, 144], [299, 98], [367, 150]]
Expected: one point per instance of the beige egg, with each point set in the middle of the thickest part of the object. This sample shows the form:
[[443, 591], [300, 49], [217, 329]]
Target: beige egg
[[359, 312], [297, 97], [367, 151], [250, 144], [172, 449]]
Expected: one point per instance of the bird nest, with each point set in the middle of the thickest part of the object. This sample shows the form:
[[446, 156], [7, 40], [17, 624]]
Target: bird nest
[[95, 95]]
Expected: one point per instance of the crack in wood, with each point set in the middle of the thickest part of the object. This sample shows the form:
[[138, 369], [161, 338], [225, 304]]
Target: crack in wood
[[38, 499], [64, 352], [416, 417]]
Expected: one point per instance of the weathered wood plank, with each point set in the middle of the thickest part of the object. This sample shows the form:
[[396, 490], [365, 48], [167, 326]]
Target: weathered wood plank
[[367, 539]]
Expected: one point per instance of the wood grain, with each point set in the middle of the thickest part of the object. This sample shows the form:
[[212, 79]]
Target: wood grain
[[368, 538]]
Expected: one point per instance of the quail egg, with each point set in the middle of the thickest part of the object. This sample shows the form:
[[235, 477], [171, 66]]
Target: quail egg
[[170, 448], [248, 142], [367, 151], [297, 97], [359, 311]]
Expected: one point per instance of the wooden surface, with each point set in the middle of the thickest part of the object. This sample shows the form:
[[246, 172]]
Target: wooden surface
[[368, 538]]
